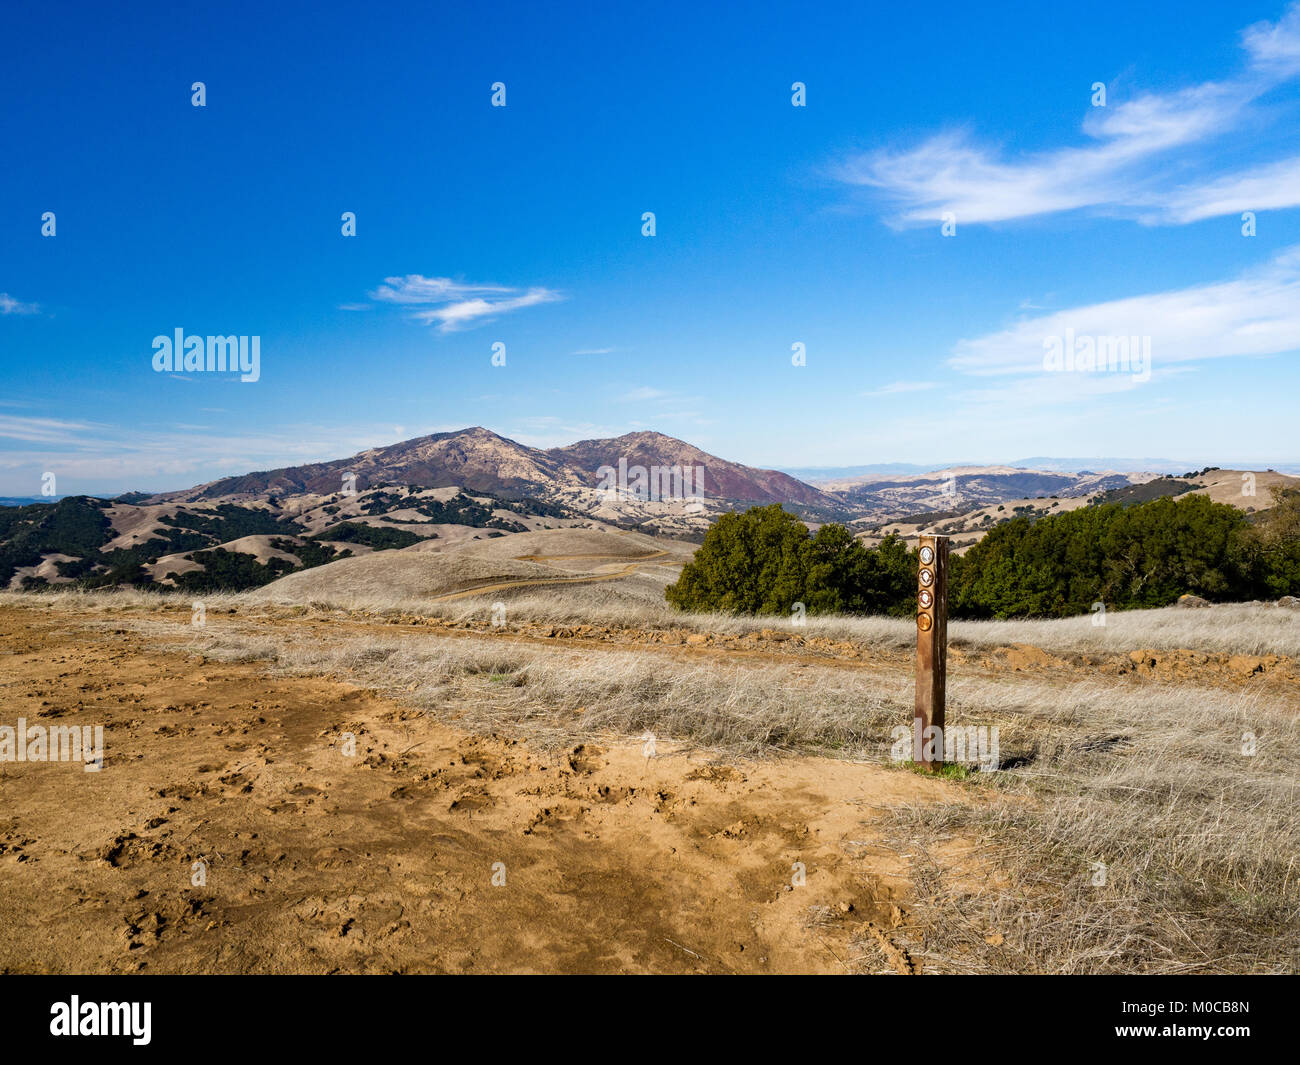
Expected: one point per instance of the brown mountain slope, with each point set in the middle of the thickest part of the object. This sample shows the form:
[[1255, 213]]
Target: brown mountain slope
[[481, 460], [477, 459], [723, 479]]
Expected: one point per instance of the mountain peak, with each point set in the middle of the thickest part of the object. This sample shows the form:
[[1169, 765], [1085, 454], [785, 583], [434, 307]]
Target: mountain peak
[[478, 459]]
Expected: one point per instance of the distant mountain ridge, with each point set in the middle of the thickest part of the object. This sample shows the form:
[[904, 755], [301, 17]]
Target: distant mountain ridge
[[436, 492], [822, 475], [481, 460]]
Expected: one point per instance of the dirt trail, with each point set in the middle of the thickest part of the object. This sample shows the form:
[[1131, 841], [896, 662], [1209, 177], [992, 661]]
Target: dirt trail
[[532, 582], [383, 860], [552, 558], [542, 582]]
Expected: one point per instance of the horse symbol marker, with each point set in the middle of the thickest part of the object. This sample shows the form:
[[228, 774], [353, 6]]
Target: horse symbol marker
[[931, 648]]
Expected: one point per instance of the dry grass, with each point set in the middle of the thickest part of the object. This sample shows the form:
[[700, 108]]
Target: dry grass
[[1200, 841], [113, 600], [1230, 628]]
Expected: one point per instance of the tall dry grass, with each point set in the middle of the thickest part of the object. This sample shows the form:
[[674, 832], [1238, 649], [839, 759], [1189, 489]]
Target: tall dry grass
[[1199, 839], [1227, 628]]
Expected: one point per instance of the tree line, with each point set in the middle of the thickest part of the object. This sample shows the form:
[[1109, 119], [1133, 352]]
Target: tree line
[[1142, 555]]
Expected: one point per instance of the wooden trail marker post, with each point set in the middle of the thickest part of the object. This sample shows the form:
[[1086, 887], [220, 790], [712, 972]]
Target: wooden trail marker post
[[931, 648]]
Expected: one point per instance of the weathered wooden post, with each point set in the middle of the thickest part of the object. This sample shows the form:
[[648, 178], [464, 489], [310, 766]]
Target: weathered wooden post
[[931, 648]]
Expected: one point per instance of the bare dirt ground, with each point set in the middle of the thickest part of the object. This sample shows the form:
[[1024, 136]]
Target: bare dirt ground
[[384, 862]]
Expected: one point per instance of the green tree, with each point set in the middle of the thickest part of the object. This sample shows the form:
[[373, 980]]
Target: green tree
[[1273, 545], [1141, 555], [765, 560], [750, 563]]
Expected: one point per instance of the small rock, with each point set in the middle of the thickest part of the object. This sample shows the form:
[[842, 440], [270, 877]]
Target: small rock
[[1289, 601], [1192, 601]]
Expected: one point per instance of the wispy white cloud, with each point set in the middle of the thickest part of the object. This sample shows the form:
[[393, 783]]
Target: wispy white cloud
[[1048, 394], [1270, 187], [897, 387], [1275, 46], [9, 305], [41, 430], [1122, 167], [546, 431], [458, 305], [660, 406], [643, 394], [695, 416], [416, 288], [595, 351], [1256, 314], [463, 314]]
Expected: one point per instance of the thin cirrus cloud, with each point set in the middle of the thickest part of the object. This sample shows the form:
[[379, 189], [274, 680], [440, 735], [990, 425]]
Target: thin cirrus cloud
[[453, 305], [643, 394], [1256, 314], [9, 305], [1266, 188], [40, 430], [898, 387], [1130, 165]]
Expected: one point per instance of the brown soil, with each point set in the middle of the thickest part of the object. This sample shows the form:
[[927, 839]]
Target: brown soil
[[384, 861]]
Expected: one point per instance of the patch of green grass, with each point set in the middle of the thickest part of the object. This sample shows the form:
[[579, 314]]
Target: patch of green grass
[[945, 771]]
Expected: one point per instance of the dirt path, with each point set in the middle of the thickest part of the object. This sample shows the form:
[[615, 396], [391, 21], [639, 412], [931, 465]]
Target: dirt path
[[553, 558], [321, 860], [533, 582], [542, 582]]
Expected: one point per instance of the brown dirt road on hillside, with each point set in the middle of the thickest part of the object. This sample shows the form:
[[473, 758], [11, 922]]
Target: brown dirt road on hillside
[[630, 565]]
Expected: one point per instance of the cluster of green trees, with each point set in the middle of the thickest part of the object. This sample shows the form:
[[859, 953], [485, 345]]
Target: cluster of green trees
[[75, 525], [354, 532], [78, 527], [765, 560], [230, 571], [229, 521], [461, 509], [1145, 555]]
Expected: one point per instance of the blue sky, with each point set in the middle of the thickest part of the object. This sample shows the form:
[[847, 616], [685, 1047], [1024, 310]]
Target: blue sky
[[522, 225]]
